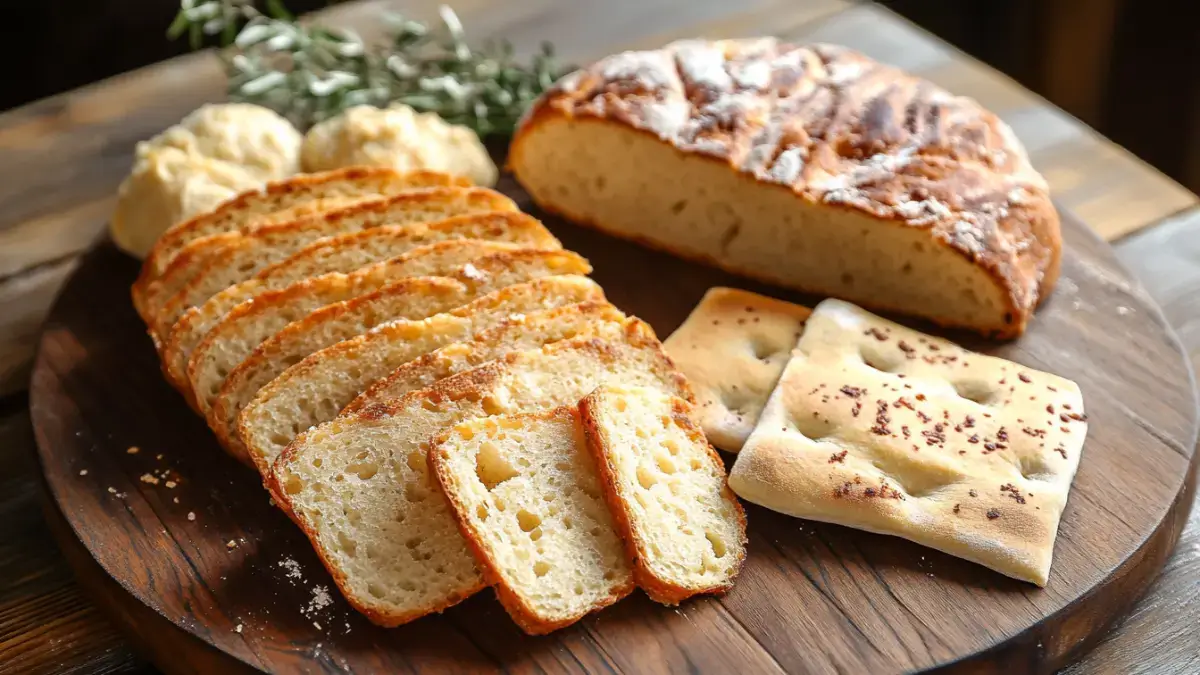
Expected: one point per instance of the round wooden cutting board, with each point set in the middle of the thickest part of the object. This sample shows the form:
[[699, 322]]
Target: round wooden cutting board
[[211, 576]]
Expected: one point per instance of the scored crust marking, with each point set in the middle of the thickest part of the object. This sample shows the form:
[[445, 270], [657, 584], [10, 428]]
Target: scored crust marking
[[840, 129], [882, 428]]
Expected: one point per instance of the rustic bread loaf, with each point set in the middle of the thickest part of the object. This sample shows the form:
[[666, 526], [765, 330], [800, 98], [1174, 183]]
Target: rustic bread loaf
[[733, 347], [318, 387], [518, 333], [344, 253], [240, 258], [405, 299], [282, 201], [681, 524], [524, 492], [253, 322], [385, 532], [879, 427], [810, 167]]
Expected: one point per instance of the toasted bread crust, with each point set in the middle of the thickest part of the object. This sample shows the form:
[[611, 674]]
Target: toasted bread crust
[[171, 294], [658, 589], [519, 607], [325, 255]]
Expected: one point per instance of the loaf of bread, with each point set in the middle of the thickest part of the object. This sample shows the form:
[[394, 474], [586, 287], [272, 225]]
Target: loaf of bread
[[524, 492], [879, 427], [733, 347], [243, 254], [809, 167], [364, 253], [388, 537], [317, 388], [283, 201], [683, 529]]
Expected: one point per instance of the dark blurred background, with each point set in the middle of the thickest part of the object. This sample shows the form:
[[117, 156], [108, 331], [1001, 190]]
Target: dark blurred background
[[1129, 68]]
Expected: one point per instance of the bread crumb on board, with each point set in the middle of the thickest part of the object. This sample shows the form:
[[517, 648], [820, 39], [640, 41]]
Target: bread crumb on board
[[83, 472], [149, 478], [237, 628], [191, 515], [132, 450]]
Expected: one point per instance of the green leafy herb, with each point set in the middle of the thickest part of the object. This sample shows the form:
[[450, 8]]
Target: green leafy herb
[[309, 72]]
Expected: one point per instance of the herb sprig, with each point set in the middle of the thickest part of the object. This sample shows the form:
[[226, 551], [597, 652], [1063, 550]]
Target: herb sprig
[[309, 72]]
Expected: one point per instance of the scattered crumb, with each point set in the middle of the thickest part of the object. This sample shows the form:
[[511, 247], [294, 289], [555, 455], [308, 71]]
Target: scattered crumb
[[171, 484], [320, 599], [132, 450], [271, 501], [176, 500], [316, 625], [191, 515], [149, 478], [159, 456], [231, 544], [237, 628], [292, 567], [112, 490], [83, 472]]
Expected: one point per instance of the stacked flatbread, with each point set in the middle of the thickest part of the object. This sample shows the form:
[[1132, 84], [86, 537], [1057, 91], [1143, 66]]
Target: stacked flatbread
[[403, 357], [841, 416]]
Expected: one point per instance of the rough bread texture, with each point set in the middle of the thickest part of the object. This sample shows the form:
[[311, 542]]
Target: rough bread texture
[[397, 301], [682, 525], [810, 167], [733, 347], [237, 260], [524, 492], [253, 322], [269, 415], [342, 254], [879, 427], [526, 331], [400, 556], [287, 199]]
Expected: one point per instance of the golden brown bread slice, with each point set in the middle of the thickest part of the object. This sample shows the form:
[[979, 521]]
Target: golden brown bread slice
[[320, 386], [284, 200], [593, 319], [345, 253], [255, 321], [806, 166], [524, 492], [682, 526], [180, 288], [385, 533], [733, 347]]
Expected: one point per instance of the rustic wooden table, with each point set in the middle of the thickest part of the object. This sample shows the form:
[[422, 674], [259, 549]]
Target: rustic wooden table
[[64, 156]]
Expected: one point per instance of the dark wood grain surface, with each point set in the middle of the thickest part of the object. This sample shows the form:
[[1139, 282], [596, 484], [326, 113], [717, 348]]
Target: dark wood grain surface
[[212, 556], [65, 156]]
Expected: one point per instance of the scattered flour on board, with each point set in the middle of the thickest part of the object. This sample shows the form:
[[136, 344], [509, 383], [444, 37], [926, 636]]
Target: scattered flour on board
[[292, 568], [320, 600]]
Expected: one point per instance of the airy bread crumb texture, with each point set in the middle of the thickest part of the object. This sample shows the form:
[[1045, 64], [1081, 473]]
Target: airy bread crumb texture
[[684, 528], [525, 494], [380, 454]]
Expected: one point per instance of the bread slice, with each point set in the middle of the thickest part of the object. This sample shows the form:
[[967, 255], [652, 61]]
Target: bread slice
[[360, 488], [320, 385], [524, 492], [684, 529], [519, 333], [181, 287], [255, 321], [811, 167], [733, 348], [286, 200], [345, 253]]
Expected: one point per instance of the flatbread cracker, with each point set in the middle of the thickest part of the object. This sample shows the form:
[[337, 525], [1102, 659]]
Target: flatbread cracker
[[882, 428], [733, 347]]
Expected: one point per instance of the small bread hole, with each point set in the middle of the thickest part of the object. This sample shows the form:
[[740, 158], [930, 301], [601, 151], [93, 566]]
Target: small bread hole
[[665, 464], [293, 485], [413, 492], [762, 350], [541, 568], [415, 461], [671, 446], [718, 545], [536, 534], [645, 478], [317, 462], [365, 470], [491, 406], [481, 512], [491, 467], [347, 544], [528, 521]]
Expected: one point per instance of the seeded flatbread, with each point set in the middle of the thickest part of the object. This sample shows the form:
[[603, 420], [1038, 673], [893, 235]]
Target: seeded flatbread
[[881, 428], [733, 347]]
